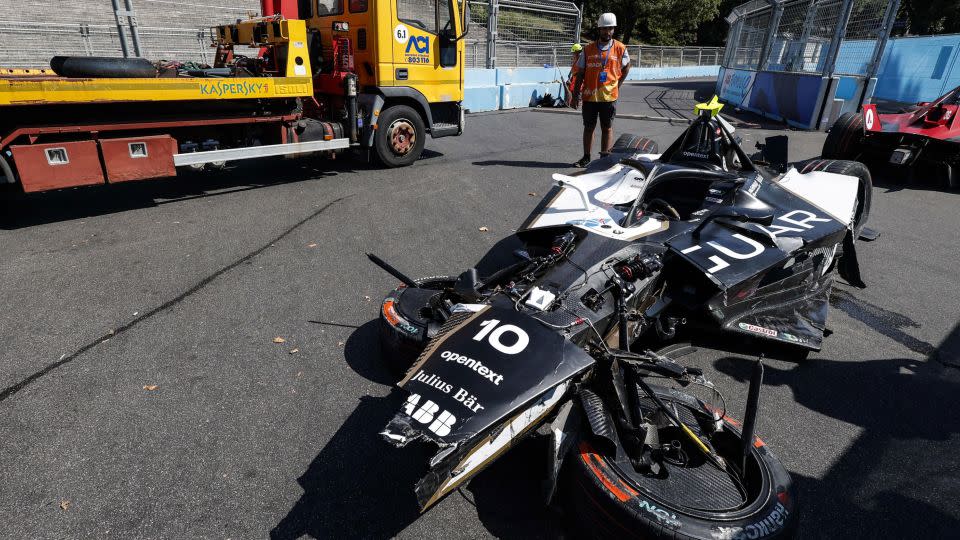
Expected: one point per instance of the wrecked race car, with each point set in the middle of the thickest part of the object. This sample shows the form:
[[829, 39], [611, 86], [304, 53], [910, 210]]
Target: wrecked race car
[[568, 331]]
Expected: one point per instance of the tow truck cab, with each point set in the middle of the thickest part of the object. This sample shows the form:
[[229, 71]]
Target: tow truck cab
[[408, 55]]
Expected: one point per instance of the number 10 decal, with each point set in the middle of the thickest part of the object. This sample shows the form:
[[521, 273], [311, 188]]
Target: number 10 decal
[[489, 327]]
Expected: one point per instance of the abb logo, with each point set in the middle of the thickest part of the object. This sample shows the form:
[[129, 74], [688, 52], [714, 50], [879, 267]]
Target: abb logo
[[427, 414]]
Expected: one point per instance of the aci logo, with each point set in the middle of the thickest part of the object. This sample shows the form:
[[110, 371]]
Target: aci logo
[[421, 44]]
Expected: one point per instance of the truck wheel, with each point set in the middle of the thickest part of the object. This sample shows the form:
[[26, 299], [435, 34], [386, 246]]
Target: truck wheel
[[400, 136], [849, 168], [845, 138]]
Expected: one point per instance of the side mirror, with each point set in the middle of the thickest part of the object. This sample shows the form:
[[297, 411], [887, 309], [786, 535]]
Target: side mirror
[[464, 19]]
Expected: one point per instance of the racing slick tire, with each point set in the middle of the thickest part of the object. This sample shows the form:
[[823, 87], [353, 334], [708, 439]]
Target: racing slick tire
[[849, 168], [604, 502], [400, 344], [627, 143], [400, 136], [845, 139]]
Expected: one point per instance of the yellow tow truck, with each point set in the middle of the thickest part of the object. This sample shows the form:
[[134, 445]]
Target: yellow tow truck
[[309, 76]]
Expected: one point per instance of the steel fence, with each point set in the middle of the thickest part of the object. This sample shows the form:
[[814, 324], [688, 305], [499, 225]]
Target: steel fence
[[805, 36], [748, 45], [655, 56], [523, 33], [52, 39], [525, 54], [863, 36], [537, 21]]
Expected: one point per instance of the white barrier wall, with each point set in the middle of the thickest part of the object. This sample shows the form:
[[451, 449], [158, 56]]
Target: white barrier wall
[[510, 88]]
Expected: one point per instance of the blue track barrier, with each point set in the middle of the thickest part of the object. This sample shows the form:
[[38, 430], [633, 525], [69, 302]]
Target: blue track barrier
[[509, 88]]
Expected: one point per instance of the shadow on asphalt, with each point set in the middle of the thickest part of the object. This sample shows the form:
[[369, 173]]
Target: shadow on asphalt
[[509, 495], [362, 353], [358, 486], [19, 210], [902, 405], [25, 210]]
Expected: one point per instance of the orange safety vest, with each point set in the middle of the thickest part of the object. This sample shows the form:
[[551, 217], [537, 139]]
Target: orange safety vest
[[593, 89]]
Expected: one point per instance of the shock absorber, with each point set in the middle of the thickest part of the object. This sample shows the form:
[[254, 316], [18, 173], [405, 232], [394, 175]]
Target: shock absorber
[[639, 267], [563, 242]]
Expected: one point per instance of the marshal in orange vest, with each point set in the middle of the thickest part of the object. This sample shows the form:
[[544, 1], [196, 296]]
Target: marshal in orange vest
[[597, 62]]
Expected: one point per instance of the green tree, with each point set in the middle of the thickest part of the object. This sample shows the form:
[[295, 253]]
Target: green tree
[[926, 17], [657, 22]]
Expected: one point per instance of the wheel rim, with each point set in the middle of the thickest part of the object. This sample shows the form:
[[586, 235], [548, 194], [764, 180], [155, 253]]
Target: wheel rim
[[402, 136]]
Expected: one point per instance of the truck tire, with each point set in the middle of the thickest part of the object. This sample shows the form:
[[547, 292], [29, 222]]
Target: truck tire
[[630, 143], [845, 139], [400, 136], [604, 501], [849, 168]]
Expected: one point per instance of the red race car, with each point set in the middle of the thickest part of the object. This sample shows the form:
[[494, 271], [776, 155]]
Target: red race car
[[923, 138]]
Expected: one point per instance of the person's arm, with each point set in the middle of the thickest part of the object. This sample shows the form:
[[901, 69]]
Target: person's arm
[[624, 67], [577, 74]]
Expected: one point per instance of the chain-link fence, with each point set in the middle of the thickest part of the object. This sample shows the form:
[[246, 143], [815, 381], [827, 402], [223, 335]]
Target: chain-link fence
[[51, 39], [806, 36], [558, 54], [748, 44]]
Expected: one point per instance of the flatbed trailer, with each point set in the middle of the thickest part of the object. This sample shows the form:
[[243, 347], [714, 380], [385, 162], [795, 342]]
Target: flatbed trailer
[[302, 93]]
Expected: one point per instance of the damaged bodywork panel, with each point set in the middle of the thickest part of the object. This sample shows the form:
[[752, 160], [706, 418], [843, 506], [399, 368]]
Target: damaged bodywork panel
[[478, 386]]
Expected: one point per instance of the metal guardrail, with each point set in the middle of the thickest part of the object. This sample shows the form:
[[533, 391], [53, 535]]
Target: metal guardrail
[[805, 36], [530, 54]]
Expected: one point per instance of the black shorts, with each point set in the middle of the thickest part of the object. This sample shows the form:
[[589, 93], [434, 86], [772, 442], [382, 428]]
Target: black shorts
[[605, 110]]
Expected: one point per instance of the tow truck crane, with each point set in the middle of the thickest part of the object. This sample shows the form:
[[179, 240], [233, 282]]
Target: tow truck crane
[[328, 76]]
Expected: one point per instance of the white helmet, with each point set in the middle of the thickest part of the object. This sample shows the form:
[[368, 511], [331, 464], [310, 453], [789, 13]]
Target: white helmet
[[607, 19]]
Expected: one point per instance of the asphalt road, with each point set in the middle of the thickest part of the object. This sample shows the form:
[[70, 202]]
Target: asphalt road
[[142, 393]]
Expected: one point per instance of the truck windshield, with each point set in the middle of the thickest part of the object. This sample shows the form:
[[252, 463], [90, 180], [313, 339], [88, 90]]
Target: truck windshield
[[426, 14]]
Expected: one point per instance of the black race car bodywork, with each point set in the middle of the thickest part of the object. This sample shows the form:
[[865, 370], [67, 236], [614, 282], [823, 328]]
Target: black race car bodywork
[[615, 259]]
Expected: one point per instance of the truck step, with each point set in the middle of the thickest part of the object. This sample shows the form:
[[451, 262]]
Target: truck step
[[444, 130]]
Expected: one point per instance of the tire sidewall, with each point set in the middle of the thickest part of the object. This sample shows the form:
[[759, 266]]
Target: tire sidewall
[[844, 139], [623, 511], [401, 348], [382, 146], [864, 191]]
